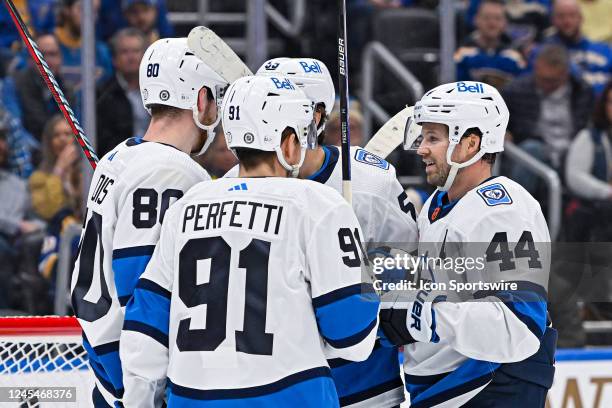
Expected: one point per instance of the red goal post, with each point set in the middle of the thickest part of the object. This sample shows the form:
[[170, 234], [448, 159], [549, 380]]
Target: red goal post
[[41, 352]]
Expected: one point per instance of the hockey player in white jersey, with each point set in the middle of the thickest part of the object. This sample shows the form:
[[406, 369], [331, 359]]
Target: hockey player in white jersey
[[131, 190], [384, 212], [256, 279], [486, 342]]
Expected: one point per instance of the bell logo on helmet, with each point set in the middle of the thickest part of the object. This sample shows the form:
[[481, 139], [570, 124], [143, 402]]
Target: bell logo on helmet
[[284, 84], [314, 67], [248, 138], [164, 95], [476, 88], [145, 94]]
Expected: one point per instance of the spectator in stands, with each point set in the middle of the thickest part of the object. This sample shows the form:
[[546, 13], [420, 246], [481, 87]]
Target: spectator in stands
[[112, 18], [142, 15], [14, 223], [588, 168], [56, 185], [332, 128], [68, 33], [588, 216], [21, 144], [121, 114], [35, 99], [547, 109], [527, 19], [218, 159], [487, 55], [591, 60], [56, 189]]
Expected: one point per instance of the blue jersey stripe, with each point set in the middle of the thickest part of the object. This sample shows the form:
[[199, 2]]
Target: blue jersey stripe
[[150, 309], [105, 362], [342, 293], [528, 303], [133, 251], [354, 378], [251, 392], [339, 362], [469, 376], [104, 381], [147, 330], [153, 287], [346, 316], [375, 391], [354, 339], [312, 393], [127, 269]]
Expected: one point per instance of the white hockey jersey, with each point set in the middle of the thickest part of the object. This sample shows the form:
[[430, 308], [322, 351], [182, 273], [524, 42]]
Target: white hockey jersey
[[131, 189], [254, 283], [387, 217], [500, 227]]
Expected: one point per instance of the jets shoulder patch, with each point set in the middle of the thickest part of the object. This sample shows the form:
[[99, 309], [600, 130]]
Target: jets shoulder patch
[[495, 194], [363, 156]]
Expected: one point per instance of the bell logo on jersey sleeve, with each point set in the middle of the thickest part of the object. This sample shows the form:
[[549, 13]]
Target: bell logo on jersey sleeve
[[363, 156], [495, 194]]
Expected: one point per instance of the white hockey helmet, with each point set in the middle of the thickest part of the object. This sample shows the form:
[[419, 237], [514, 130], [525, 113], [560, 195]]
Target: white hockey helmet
[[170, 74], [462, 106], [309, 74], [257, 109]]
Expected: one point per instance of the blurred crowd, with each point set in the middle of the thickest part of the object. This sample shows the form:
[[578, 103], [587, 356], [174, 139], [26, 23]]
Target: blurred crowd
[[552, 61]]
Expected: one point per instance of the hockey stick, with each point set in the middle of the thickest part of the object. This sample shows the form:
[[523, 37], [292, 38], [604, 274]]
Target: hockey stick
[[52, 84], [210, 48], [344, 93], [392, 133]]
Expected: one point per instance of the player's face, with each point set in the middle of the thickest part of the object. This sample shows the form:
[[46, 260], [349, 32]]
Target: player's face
[[433, 151]]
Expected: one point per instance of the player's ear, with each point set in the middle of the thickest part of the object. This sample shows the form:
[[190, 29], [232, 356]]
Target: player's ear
[[291, 147], [204, 97]]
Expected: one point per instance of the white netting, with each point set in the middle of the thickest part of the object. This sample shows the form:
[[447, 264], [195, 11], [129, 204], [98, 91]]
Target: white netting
[[43, 352]]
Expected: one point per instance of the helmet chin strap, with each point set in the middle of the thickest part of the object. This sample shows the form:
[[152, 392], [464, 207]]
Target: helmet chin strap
[[210, 130], [295, 168], [454, 167]]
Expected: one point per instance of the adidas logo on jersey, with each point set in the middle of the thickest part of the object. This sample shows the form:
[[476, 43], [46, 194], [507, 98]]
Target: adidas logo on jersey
[[239, 187]]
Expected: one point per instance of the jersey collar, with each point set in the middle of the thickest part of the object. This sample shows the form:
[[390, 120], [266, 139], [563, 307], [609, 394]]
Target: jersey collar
[[331, 158], [441, 206]]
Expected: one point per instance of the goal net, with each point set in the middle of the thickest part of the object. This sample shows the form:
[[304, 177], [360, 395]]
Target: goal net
[[43, 363]]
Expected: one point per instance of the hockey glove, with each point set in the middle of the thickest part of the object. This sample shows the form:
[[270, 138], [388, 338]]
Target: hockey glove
[[409, 317]]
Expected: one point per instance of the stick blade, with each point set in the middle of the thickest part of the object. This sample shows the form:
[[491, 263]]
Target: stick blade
[[210, 48], [391, 134]]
